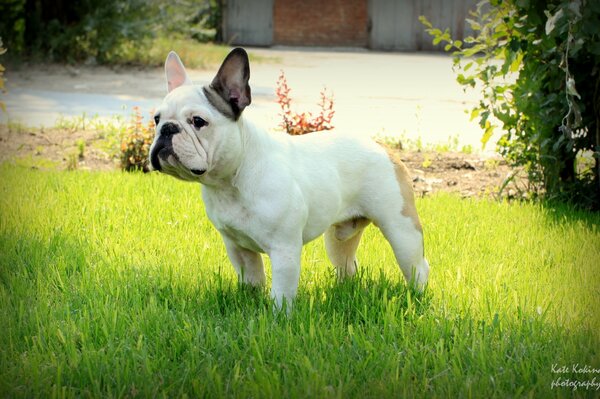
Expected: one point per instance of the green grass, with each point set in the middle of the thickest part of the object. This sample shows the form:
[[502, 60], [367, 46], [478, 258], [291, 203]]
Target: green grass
[[416, 145], [194, 54], [153, 52], [116, 285]]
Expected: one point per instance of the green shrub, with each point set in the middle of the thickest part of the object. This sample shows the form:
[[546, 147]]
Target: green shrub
[[75, 31], [536, 64], [196, 19], [12, 24], [136, 143], [2, 87], [154, 51], [104, 31]]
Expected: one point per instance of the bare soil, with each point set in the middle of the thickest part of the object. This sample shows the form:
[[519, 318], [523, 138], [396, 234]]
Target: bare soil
[[468, 175], [56, 148]]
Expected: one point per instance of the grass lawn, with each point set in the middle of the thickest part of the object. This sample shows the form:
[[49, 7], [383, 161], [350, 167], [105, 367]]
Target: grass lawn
[[196, 55], [116, 285]]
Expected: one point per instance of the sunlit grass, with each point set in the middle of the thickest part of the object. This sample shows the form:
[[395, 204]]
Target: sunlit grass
[[196, 55], [116, 284]]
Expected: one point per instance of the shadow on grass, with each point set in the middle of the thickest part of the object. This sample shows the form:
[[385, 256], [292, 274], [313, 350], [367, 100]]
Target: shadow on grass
[[59, 261], [364, 299], [560, 213], [525, 348]]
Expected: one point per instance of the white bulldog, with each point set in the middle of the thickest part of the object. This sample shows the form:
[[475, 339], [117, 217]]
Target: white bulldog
[[274, 193]]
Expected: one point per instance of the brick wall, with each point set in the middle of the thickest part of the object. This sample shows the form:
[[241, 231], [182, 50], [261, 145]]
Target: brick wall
[[320, 22]]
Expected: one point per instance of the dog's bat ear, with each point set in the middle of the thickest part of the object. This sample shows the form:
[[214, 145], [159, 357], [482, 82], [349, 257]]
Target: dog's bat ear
[[175, 72], [231, 81]]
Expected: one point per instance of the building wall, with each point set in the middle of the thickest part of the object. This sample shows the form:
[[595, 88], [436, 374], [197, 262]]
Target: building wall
[[321, 22], [248, 23], [377, 24], [396, 26]]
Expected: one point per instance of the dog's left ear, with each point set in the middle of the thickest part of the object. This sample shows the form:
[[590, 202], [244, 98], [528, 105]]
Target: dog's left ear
[[231, 81], [175, 72]]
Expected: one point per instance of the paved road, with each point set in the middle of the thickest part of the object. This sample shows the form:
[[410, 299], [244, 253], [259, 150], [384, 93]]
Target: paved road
[[394, 94]]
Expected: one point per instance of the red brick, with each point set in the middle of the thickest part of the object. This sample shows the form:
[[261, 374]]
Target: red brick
[[320, 22]]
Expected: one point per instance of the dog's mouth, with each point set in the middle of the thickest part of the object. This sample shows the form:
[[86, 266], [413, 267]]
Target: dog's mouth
[[165, 160], [163, 156]]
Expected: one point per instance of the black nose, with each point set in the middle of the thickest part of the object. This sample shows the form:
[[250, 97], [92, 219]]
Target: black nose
[[169, 129]]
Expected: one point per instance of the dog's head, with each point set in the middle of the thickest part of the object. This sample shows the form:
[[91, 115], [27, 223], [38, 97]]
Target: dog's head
[[197, 134]]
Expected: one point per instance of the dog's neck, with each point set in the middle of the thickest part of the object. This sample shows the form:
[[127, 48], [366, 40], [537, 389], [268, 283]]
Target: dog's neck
[[255, 141], [254, 146]]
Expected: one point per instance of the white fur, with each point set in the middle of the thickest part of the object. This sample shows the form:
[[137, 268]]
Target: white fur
[[273, 193]]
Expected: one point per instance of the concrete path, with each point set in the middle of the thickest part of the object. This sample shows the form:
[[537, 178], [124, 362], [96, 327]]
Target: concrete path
[[411, 95]]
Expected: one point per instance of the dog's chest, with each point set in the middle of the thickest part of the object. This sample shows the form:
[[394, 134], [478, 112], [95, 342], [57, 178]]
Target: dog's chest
[[234, 218]]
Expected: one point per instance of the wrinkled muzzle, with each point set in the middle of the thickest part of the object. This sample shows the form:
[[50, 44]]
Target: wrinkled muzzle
[[180, 163], [162, 148]]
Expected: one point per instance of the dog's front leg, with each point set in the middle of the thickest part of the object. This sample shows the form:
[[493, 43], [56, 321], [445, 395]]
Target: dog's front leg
[[285, 266], [247, 264]]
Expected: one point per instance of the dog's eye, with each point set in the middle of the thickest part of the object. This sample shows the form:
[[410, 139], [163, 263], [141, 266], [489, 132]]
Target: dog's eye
[[156, 119], [198, 122]]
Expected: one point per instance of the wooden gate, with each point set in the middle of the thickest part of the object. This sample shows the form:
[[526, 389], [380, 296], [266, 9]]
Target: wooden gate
[[248, 22], [394, 24]]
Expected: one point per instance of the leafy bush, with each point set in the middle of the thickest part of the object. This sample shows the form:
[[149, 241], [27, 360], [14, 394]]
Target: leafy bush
[[537, 66], [305, 122], [197, 19], [76, 31], [12, 23], [196, 55], [2, 87], [136, 143], [103, 31]]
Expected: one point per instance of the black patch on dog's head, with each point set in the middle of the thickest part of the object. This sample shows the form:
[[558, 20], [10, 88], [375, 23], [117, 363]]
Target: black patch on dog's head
[[231, 84]]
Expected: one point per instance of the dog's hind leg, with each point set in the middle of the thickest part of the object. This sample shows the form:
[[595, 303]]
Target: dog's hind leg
[[407, 243], [341, 242], [400, 224]]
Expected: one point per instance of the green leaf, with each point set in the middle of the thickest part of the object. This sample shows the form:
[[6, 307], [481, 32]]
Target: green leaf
[[552, 19], [484, 117], [465, 80], [475, 113], [558, 143], [423, 19], [571, 88], [516, 64], [474, 50], [487, 134], [473, 24]]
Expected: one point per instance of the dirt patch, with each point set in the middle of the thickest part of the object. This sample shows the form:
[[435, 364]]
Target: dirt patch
[[466, 174], [58, 148]]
